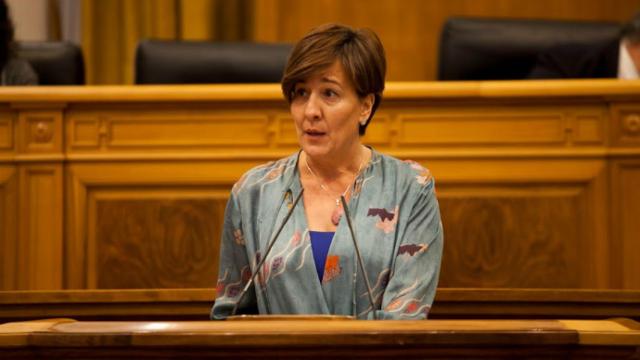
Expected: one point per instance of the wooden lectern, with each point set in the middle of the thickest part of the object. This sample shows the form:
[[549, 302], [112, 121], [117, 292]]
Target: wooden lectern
[[259, 339]]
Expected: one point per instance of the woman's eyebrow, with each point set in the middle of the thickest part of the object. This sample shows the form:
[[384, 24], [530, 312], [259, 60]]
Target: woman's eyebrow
[[331, 80]]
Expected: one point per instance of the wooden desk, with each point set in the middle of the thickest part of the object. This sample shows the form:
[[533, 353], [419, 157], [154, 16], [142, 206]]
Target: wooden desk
[[125, 186], [442, 339], [195, 304]]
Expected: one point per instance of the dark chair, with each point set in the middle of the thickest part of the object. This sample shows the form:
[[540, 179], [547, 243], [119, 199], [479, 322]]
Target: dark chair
[[56, 63], [500, 49], [195, 62]]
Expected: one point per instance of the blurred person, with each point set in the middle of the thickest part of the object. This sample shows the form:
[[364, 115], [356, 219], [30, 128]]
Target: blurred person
[[615, 58], [15, 71]]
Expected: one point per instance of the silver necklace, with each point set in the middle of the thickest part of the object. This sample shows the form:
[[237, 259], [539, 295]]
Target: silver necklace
[[337, 212]]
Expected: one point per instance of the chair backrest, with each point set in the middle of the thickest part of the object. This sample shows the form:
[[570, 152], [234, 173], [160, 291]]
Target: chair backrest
[[495, 49], [195, 62], [56, 63]]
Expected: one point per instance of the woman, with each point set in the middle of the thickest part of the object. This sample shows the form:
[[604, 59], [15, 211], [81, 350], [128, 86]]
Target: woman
[[333, 82]]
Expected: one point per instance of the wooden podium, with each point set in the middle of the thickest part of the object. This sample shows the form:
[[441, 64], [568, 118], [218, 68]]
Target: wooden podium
[[441, 339]]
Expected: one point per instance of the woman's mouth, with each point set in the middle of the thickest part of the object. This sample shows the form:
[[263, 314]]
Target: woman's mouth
[[314, 133]]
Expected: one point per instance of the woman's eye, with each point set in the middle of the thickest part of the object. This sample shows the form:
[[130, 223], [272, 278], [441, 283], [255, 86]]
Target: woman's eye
[[300, 92], [330, 93]]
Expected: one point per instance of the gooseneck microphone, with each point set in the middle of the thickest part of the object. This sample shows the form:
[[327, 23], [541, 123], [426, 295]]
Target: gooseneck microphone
[[360, 262], [264, 257]]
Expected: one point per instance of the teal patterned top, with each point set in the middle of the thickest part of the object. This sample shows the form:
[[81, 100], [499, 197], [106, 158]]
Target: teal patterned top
[[397, 224]]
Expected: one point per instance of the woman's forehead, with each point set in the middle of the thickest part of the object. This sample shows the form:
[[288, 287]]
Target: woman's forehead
[[333, 73]]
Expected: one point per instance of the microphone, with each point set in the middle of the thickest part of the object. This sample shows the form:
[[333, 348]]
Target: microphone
[[264, 257], [360, 262]]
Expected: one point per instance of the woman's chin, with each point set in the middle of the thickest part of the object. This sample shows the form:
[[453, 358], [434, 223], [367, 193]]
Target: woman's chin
[[315, 150]]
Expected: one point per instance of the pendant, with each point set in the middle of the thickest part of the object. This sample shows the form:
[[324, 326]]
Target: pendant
[[336, 215]]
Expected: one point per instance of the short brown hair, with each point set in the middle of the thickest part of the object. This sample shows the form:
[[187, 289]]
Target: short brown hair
[[360, 52]]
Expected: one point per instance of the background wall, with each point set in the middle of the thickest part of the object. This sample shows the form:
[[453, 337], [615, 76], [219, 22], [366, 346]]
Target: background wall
[[110, 29], [409, 29], [46, 20], [30, 19]]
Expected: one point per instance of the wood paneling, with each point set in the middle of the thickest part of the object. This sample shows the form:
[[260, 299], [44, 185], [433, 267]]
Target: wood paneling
[[169, 129], [146, 225], [480, 128], [195, 304], [410, 29], [626, 124], [41, 131], [8, 228], [487, 240], [626, 205], [170, 242], [40, 248], [31, 140], [6, 131], [535, 219], [490, 125], [536, 179]]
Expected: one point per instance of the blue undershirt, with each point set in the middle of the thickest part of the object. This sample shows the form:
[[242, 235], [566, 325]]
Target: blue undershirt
[[320, 243]]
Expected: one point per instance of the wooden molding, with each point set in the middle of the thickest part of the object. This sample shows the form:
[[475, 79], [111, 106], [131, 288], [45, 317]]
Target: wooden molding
[[8, 228], [40, 251], [625, 177], [57, 96], [195, 304], [6, 131]]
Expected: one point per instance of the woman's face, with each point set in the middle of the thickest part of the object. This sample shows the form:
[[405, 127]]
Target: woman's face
[[327, 112]]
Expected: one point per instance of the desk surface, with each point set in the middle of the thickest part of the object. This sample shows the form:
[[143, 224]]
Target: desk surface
[[437, 90], [469, 338]]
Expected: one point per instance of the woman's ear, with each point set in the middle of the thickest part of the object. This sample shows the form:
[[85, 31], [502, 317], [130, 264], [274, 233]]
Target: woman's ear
[[367, 107]]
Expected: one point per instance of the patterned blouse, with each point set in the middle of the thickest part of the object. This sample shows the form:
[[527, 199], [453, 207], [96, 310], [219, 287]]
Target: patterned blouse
[[397, 223]]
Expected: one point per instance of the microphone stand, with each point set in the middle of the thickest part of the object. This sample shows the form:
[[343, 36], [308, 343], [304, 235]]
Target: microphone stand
[[269, 247], [360, 262]]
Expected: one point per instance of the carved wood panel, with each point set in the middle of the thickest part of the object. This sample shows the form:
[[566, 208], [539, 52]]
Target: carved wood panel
[[523, 224], [157, 243], [146, 224], [529, 238], [626, 124], [41, 131], [167, 128], [494, 125]]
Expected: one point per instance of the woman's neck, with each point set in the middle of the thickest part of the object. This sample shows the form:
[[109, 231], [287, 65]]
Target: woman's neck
[[332, 168]]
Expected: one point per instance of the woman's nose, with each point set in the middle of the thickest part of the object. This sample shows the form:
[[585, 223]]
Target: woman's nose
[[312, 108]]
